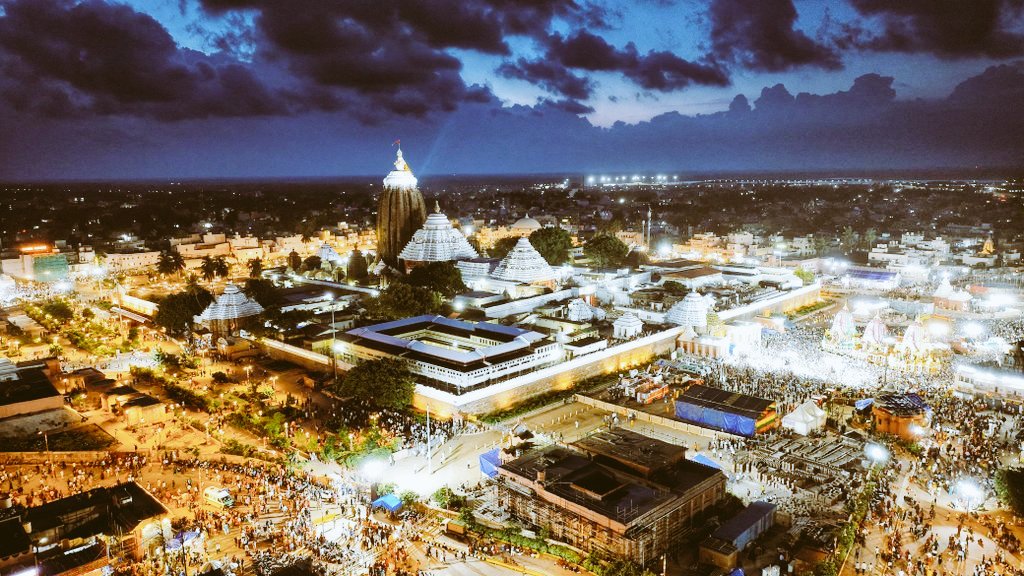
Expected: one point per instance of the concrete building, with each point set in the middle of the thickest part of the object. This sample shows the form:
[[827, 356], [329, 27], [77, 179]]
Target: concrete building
[[616, 492]]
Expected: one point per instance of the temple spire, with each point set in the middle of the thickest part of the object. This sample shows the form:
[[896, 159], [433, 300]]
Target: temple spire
[[437, 207]]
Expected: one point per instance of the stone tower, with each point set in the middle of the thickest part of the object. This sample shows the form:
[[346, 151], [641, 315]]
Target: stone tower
[[400, 213]]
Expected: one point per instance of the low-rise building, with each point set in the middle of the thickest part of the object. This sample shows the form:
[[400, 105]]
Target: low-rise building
[[616, 492]]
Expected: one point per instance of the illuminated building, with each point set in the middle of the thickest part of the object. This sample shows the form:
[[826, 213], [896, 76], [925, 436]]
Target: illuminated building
[[451, 355], [436, 241], [400, 212], [232, 310], [615, 492]]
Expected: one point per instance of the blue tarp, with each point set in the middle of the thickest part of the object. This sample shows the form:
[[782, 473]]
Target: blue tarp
[[489, 463], [715, 419], [702, 459], [737, 572], [389, 502], [863, 404]]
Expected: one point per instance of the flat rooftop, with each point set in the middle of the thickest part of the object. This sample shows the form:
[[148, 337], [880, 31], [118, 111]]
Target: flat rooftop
[[611, 492], [726, 401], [32, 384], [632, 450]]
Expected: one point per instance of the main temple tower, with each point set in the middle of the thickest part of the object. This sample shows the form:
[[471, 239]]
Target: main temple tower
[[400, 213]]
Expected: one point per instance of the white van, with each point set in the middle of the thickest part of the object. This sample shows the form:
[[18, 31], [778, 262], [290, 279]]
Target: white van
[[219, 497]]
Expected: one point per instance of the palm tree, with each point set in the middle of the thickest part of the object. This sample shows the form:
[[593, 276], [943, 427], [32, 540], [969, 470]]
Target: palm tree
[[208, 268], [255, 267], [170, 262]]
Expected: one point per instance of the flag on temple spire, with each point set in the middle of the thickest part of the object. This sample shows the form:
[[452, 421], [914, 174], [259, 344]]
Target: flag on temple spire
[[397, 143]]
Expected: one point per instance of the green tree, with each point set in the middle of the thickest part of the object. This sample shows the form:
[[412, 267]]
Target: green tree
[[59, 309], [502, 247], [385, 383], [441, 277], [357, 268], [606, 251], [848, 239], [805, 275], [401, 300], [170, 262], [553, 244], [294, 261], [870, 237], [311, 263], [255, 267], [175, 312], [821, 244], [1010, 488], [263, 291]]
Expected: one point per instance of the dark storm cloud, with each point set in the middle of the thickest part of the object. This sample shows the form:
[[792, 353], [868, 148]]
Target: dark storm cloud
[[548, 75], [392, 56], [60, 58], [656, 70], [762, 35], [946, 28]]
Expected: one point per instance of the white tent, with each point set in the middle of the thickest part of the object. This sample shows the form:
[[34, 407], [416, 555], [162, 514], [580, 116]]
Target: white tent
[[805, 419]]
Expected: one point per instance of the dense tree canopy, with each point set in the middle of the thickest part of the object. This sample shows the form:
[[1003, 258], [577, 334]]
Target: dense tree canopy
[[553, 244], [502, 247], [175, 312], [386, 383], [264, 292], [401, 300], [441, 277], [294, 260], [1010, 488], [311, 263], [606, 251]]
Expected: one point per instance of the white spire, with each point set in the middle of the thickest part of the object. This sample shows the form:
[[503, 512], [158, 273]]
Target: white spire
[[401, 177]]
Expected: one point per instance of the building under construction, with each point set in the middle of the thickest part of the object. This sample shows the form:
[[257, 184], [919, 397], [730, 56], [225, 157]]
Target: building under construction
[[616, 492]]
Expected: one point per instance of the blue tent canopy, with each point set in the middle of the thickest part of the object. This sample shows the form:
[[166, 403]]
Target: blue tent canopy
[[737, 572], [702, 459], [863, 404], [389, 502], [489, 463]]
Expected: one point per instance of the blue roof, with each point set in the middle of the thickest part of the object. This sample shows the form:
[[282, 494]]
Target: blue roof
[[872, 274], [702, 459], [741, 522], [390, 502]]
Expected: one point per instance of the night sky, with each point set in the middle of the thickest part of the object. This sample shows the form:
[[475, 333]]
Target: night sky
[[181, 89]]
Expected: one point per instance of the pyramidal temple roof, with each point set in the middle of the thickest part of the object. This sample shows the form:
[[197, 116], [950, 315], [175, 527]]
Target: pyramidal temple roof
[[437, 241], [524, 264], [232, 304]]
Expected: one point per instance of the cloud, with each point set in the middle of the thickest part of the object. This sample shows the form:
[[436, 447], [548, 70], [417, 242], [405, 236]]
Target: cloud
[[393, 56], [61, 58], [762, 36], [946, 28], [549, 76], [656, 70], [862, 128]]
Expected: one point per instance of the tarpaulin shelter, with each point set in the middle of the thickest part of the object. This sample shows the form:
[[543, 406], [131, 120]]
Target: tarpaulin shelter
[[726, 411], [389, 502], [489, 463], [702, 459]]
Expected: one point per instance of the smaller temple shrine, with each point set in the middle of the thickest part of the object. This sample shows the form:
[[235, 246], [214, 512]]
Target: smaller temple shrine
[[436, 241], [232, 310]]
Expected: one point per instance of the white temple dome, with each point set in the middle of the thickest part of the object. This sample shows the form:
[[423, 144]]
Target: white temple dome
[[524, 264], [231, 305], [328, 254], [401, 177], [945, 289], [692, 310], [526, 224], [437, 241], [843, 327], [875, 332]]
